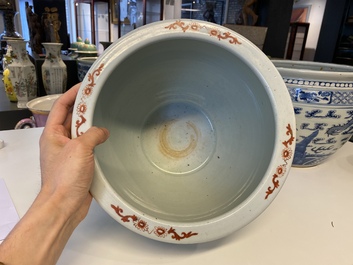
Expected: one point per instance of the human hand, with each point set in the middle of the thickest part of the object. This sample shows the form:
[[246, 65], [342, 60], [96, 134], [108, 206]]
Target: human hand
[[67, 165]]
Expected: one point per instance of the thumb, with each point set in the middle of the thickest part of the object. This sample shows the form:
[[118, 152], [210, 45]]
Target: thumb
[[94, 136]]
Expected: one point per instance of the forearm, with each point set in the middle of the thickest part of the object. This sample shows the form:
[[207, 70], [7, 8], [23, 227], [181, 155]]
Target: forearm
[[40, 236], [67, 167]]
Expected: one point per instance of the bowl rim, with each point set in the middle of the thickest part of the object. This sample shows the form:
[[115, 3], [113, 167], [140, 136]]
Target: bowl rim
[[281, 159], [86, 60], [344, 73], [86, 52], [31, 105]]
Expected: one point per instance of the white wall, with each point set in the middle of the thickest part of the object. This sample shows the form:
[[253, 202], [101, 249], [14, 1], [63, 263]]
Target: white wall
[[315, 19], [172, 11]]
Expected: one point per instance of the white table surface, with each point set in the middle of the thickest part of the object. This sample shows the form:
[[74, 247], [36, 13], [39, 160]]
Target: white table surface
[[309, 222]]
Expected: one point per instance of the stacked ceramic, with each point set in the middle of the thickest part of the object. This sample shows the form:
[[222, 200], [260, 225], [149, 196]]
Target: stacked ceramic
[[86, 49], [74, 47], [54, 71], [22, 73]]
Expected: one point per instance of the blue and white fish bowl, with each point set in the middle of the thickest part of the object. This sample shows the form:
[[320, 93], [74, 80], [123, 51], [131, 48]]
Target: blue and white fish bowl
[[322, 96], [83, 65]]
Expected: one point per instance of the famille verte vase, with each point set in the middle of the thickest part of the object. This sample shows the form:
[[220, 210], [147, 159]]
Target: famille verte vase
[[54, 71], [22, 73]]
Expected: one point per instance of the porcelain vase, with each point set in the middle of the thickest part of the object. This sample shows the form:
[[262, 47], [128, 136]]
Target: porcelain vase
[[54, 71], [22, 73]]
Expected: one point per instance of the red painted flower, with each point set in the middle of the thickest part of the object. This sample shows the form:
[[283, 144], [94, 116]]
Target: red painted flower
[[160, 231], [214, 32], [286, 154], [82, 108], [195, 26], [141, 225], [88, 90], [281, 170]]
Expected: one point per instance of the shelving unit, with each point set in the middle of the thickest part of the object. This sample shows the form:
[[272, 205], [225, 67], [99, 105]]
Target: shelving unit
[[344, 47], [135, 13], [93, 20]]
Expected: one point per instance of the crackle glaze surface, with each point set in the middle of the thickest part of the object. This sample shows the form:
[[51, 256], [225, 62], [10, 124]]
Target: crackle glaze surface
[[322, 96], [202, 130]]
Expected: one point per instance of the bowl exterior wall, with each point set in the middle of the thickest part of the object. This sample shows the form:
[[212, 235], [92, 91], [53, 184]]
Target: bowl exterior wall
[[323, 109], [83, 65]]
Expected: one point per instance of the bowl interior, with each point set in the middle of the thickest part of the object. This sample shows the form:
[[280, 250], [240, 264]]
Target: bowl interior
[[42, 105], [192, 129]]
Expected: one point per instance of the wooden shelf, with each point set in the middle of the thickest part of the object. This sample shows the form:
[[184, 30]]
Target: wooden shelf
[[298, 34]]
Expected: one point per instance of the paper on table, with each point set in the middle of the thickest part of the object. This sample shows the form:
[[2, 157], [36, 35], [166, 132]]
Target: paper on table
[[8, 214]]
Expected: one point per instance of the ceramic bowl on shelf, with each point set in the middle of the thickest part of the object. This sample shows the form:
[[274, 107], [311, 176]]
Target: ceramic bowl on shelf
[[201, 130], [322, 96], [72, 53], [83, 65]]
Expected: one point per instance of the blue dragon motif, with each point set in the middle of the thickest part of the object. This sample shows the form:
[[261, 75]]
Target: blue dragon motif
[[337, 129], [313, 96], [316, 114], [300, 149]]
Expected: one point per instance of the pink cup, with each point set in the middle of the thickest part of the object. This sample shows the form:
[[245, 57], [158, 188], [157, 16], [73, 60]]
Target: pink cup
[[40, 108]]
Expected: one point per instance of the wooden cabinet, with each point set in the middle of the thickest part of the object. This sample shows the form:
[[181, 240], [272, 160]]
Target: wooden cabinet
[[344, 48]]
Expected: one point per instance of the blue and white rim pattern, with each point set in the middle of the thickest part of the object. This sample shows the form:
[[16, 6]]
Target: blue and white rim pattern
[[316, 95]]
